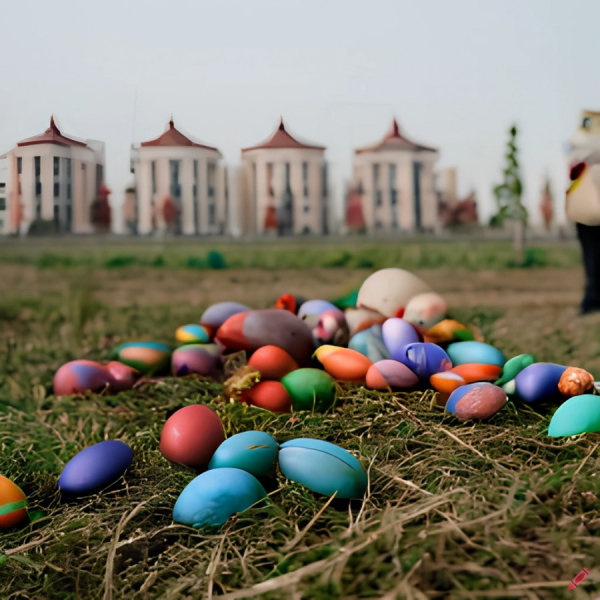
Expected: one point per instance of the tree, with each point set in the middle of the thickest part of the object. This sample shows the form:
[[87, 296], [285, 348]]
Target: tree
[[101, 213], [169, 212], [547, 205], [508, 195]]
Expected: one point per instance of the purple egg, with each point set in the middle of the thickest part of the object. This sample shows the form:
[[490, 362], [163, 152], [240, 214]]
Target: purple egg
[[398, 333], [425, 359], [536, 382], [390, 373], [202, 359], [95, 468], [214, 316]]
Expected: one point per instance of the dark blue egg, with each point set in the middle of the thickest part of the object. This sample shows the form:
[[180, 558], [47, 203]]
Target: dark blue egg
[[95, 468], [536, 382], [425, 359]]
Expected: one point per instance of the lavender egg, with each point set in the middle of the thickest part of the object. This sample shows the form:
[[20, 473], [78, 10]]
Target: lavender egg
[[202, 359], [425, 359], [390, 374], [398, 333]]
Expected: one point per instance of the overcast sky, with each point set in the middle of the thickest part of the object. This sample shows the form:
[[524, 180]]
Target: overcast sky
[[456, 74]]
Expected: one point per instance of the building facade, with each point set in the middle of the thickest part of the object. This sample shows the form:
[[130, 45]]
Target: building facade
[[3, 211], [180, 186], [395, 180], [53, 177], [283, 188]]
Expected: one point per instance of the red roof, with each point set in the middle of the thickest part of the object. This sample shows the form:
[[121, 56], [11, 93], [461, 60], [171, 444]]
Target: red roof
[[394, 140], [174, 137], [52, 135], [282, 139]]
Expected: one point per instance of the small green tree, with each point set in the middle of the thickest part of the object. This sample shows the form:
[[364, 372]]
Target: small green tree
[[508, 195]]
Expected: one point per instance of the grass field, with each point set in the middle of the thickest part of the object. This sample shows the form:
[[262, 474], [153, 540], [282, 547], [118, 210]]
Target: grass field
[[492, 510]]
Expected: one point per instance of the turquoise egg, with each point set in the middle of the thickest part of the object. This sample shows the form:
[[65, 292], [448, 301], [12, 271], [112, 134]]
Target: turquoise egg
[[579, 414], [323, 468], [216, 495], [369, 342], [462, 353], [251, 451], [193, 334]]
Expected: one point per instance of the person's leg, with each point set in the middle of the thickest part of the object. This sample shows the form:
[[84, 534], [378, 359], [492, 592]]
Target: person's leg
[[589, 238]]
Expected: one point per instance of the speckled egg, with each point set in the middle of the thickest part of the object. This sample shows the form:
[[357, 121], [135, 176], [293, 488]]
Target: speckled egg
[[193, 334], [13, 504], [476, 401], [425, 359], [323, 468], [270, 395], [191, 435], [95, 468], [579, 414], [201, 359], [147, 357], [213, 497], [370, 343], [252, 451], [575, 382], [343, 363], [311, 310], [475, 352], [331, 329], [397, 334], [390, 374], [537, 382], [273, 363], [310, 389]]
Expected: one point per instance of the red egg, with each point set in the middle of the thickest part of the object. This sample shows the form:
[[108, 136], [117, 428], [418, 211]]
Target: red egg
[[270, 395], [272, 362], [191, 435]]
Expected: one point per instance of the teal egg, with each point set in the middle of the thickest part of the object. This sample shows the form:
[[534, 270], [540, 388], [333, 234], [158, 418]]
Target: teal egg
[[462, 353], [323, 468], [216, 495], [580, 414], [251, 451]]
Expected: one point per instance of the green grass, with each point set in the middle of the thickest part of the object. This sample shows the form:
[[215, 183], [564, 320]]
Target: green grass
[[454, 510]]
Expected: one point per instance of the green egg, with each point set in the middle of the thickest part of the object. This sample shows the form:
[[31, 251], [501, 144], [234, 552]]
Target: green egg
[[580, 414], [513, 367], [310, 389]]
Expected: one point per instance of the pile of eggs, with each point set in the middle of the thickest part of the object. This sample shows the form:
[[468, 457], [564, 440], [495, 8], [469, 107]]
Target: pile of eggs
[[394, 333]]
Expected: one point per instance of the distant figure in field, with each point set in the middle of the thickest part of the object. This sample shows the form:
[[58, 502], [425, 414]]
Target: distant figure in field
[[583, 202]]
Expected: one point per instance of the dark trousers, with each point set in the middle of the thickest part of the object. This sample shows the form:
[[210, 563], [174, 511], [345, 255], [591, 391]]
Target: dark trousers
[[589, 237]]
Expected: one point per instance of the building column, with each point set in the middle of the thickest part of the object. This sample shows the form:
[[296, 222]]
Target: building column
[[186, 181], [143, 191], [47, 179]]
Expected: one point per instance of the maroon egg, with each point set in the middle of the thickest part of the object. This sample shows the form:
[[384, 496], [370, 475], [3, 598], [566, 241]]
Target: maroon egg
[[480, 402], [390, 374], [122, 377]]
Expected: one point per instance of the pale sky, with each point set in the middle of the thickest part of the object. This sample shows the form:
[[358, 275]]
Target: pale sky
[[455, 73]]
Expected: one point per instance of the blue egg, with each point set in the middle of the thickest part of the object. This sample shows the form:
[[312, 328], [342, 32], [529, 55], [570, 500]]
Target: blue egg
[[462, 353], [315, 308], [216, 495], [323, 468], [95, 467], [424, 359], [536, 382], [369, 343], [251, 451], [458, 393]]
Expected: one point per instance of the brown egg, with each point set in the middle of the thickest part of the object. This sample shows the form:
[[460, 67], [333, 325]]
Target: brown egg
[[574, 382], [270, 395], [272, 362]]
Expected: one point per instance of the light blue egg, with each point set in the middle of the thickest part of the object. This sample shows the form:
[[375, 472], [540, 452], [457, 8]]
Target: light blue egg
[[315, 308], [216, 495], [462, 353], [251, 451], [369, 343], [323, 468], [579, 414]]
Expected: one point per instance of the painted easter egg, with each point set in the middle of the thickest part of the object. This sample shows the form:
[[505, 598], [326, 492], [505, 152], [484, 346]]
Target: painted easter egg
[[473, 372], [343, 363], [121, 377], [449, 330], [476, 401], [425, 359], [425, 310], [369, 342], [193, 334], [323, 468], [398, 333], [214, 316], [331, 329], [388, 291], [575, 382], [513, 367], [290, 302], [78, 377], [310, 389], [146, 357], [537, 382], [269, 327], [191, 435], [446, 381], [311, 310], [270, 395], [386, 374], [13, 504], [475, 352], [252, 451], [216, 495], [579, 414], [359, 319], [272, 362], [95, 468], [202, 359]]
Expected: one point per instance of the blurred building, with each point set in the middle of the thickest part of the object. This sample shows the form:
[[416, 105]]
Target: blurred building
[[3, 212], [452, 210], [396, 182], [284, 187], [179, 186], [53, 177]]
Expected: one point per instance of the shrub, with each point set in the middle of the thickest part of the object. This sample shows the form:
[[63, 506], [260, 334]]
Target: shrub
[[215, 260], [42, 227]]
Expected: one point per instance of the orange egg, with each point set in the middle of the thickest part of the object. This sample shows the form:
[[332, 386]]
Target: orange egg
[[344, 364], [272, 362], [446, 382], [270, 395], [12, 504], [475, 372]]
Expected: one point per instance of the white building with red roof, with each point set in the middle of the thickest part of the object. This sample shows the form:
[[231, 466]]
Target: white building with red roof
[[397, 184], [284, 186], [53, 177], [179, 186]]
